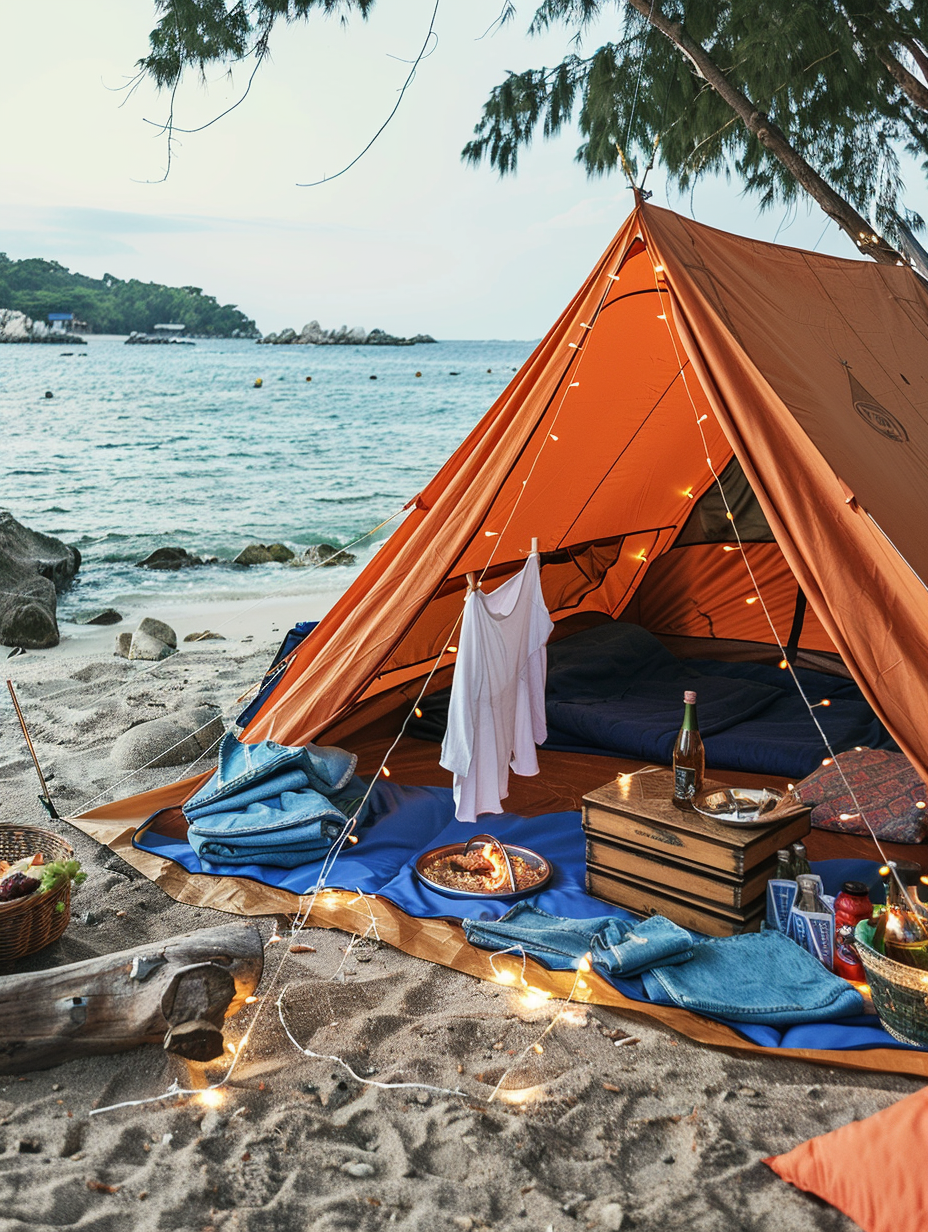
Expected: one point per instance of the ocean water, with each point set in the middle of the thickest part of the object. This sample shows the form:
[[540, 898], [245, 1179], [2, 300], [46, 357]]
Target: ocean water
[[145, 447]]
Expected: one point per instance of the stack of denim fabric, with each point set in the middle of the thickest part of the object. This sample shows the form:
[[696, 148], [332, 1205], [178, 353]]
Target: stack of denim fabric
[[273, 804]]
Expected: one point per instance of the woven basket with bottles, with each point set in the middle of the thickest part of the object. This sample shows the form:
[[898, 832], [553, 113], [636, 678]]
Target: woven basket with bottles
[[29, 924], [900, 992]]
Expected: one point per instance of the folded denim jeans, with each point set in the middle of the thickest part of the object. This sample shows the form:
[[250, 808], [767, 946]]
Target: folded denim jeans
[[756, 977], [617, 946], [295, 828], [250, 772], [273, 804]]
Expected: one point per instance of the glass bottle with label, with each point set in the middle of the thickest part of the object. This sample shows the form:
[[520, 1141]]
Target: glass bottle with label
[[689, 757], [902, 928]]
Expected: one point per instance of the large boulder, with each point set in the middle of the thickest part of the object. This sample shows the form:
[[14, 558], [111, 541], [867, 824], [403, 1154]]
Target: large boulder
[[34, 569], [170, 741], [254, 554]]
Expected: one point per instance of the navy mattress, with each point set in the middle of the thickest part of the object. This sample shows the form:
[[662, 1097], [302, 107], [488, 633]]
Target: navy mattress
[[616, 690]]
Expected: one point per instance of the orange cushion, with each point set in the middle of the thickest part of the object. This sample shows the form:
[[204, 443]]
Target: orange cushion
[[873, 1170]]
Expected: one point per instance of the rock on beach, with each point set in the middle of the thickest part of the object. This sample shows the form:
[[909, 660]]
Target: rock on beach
[[152, 640], [34, 569]]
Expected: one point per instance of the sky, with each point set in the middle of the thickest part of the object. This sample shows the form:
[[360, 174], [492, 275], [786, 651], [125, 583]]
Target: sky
[[410, 240]]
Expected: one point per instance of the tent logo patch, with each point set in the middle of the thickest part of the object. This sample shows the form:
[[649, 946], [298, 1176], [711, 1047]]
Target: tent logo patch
[[880, 419], [877, 416]]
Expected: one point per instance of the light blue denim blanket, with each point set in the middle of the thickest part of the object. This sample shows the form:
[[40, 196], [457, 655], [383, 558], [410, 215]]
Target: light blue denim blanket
[[616, 946], [273, 804], [756, 977]]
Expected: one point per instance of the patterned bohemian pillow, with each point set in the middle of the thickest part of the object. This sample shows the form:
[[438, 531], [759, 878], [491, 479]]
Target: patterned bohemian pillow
[[887, 789]]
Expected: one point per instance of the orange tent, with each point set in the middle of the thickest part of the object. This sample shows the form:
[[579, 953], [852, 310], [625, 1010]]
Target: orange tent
[[688, 354], [684, 348]]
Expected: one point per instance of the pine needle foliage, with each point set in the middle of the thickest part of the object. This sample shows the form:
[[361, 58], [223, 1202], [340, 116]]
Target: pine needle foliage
[[845, 82], [197, 34]]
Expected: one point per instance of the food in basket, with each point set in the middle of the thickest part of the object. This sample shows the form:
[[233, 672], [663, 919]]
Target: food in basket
[[33, 875], [22, 878]]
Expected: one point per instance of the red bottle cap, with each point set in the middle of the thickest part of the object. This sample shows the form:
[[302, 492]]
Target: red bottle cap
[[689, 698]]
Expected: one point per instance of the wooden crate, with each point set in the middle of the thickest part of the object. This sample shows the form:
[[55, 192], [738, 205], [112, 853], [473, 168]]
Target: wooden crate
[[638, 811], [650, 857]]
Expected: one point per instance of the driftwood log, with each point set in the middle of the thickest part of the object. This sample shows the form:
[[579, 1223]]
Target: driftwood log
[[177, 991]]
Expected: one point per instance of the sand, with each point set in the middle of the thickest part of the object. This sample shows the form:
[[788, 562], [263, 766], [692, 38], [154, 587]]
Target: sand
[[587, 1133]]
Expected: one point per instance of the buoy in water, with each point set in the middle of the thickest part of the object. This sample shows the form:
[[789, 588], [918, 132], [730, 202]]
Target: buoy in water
[[49, 394], [418, 374], [309, 378], [489, 369], [372, 378], [259, 381]]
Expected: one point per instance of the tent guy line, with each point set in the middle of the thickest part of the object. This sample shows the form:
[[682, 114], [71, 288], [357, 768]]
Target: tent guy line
[[658, 271]]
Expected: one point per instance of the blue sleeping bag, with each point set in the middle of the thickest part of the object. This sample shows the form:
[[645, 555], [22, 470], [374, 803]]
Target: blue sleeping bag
[[617, 689]]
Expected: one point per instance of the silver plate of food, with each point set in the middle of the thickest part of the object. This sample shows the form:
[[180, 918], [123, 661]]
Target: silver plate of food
[[745, 806], [483, 867]]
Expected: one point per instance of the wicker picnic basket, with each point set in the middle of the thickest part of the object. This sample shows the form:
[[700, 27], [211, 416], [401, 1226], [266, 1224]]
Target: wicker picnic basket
[[29, 924], [900, 993]]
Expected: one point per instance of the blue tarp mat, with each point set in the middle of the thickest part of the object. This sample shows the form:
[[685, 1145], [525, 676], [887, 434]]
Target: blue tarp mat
[[406, 821]]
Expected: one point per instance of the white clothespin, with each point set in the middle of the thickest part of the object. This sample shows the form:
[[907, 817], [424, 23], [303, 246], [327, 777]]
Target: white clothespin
[[472, 583], [534, 547]]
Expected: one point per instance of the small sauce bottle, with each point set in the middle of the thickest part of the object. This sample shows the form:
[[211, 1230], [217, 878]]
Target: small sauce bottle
[[852, 905]]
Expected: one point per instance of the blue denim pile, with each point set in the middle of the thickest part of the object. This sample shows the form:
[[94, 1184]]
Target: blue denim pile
[[273, 804], [753, 978]]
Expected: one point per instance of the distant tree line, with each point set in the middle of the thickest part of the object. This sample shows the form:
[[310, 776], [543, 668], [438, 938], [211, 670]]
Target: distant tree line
[[110, 305]]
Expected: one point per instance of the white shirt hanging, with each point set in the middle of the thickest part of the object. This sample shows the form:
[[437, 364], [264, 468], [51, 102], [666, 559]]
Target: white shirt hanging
[[496, 715]]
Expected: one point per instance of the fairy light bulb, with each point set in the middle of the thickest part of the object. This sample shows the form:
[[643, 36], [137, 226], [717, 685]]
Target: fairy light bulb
[[827, 761], [728, 548], [418, 712], [753, 599], [212, 1097], [385, 771], [784, 664]]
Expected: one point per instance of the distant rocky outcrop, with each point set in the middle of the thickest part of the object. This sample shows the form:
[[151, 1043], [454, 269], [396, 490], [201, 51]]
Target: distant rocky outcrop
[[34, 569], [139, 339], [314, 335], [17, 327]]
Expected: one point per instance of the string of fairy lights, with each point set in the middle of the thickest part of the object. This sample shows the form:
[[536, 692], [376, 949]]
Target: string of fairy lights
[[503, 975]]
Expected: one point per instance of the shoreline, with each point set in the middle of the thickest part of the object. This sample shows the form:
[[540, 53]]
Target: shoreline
[[238, 620]]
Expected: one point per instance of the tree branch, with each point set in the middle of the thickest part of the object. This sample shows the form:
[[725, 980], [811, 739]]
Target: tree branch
[[770, 136]]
